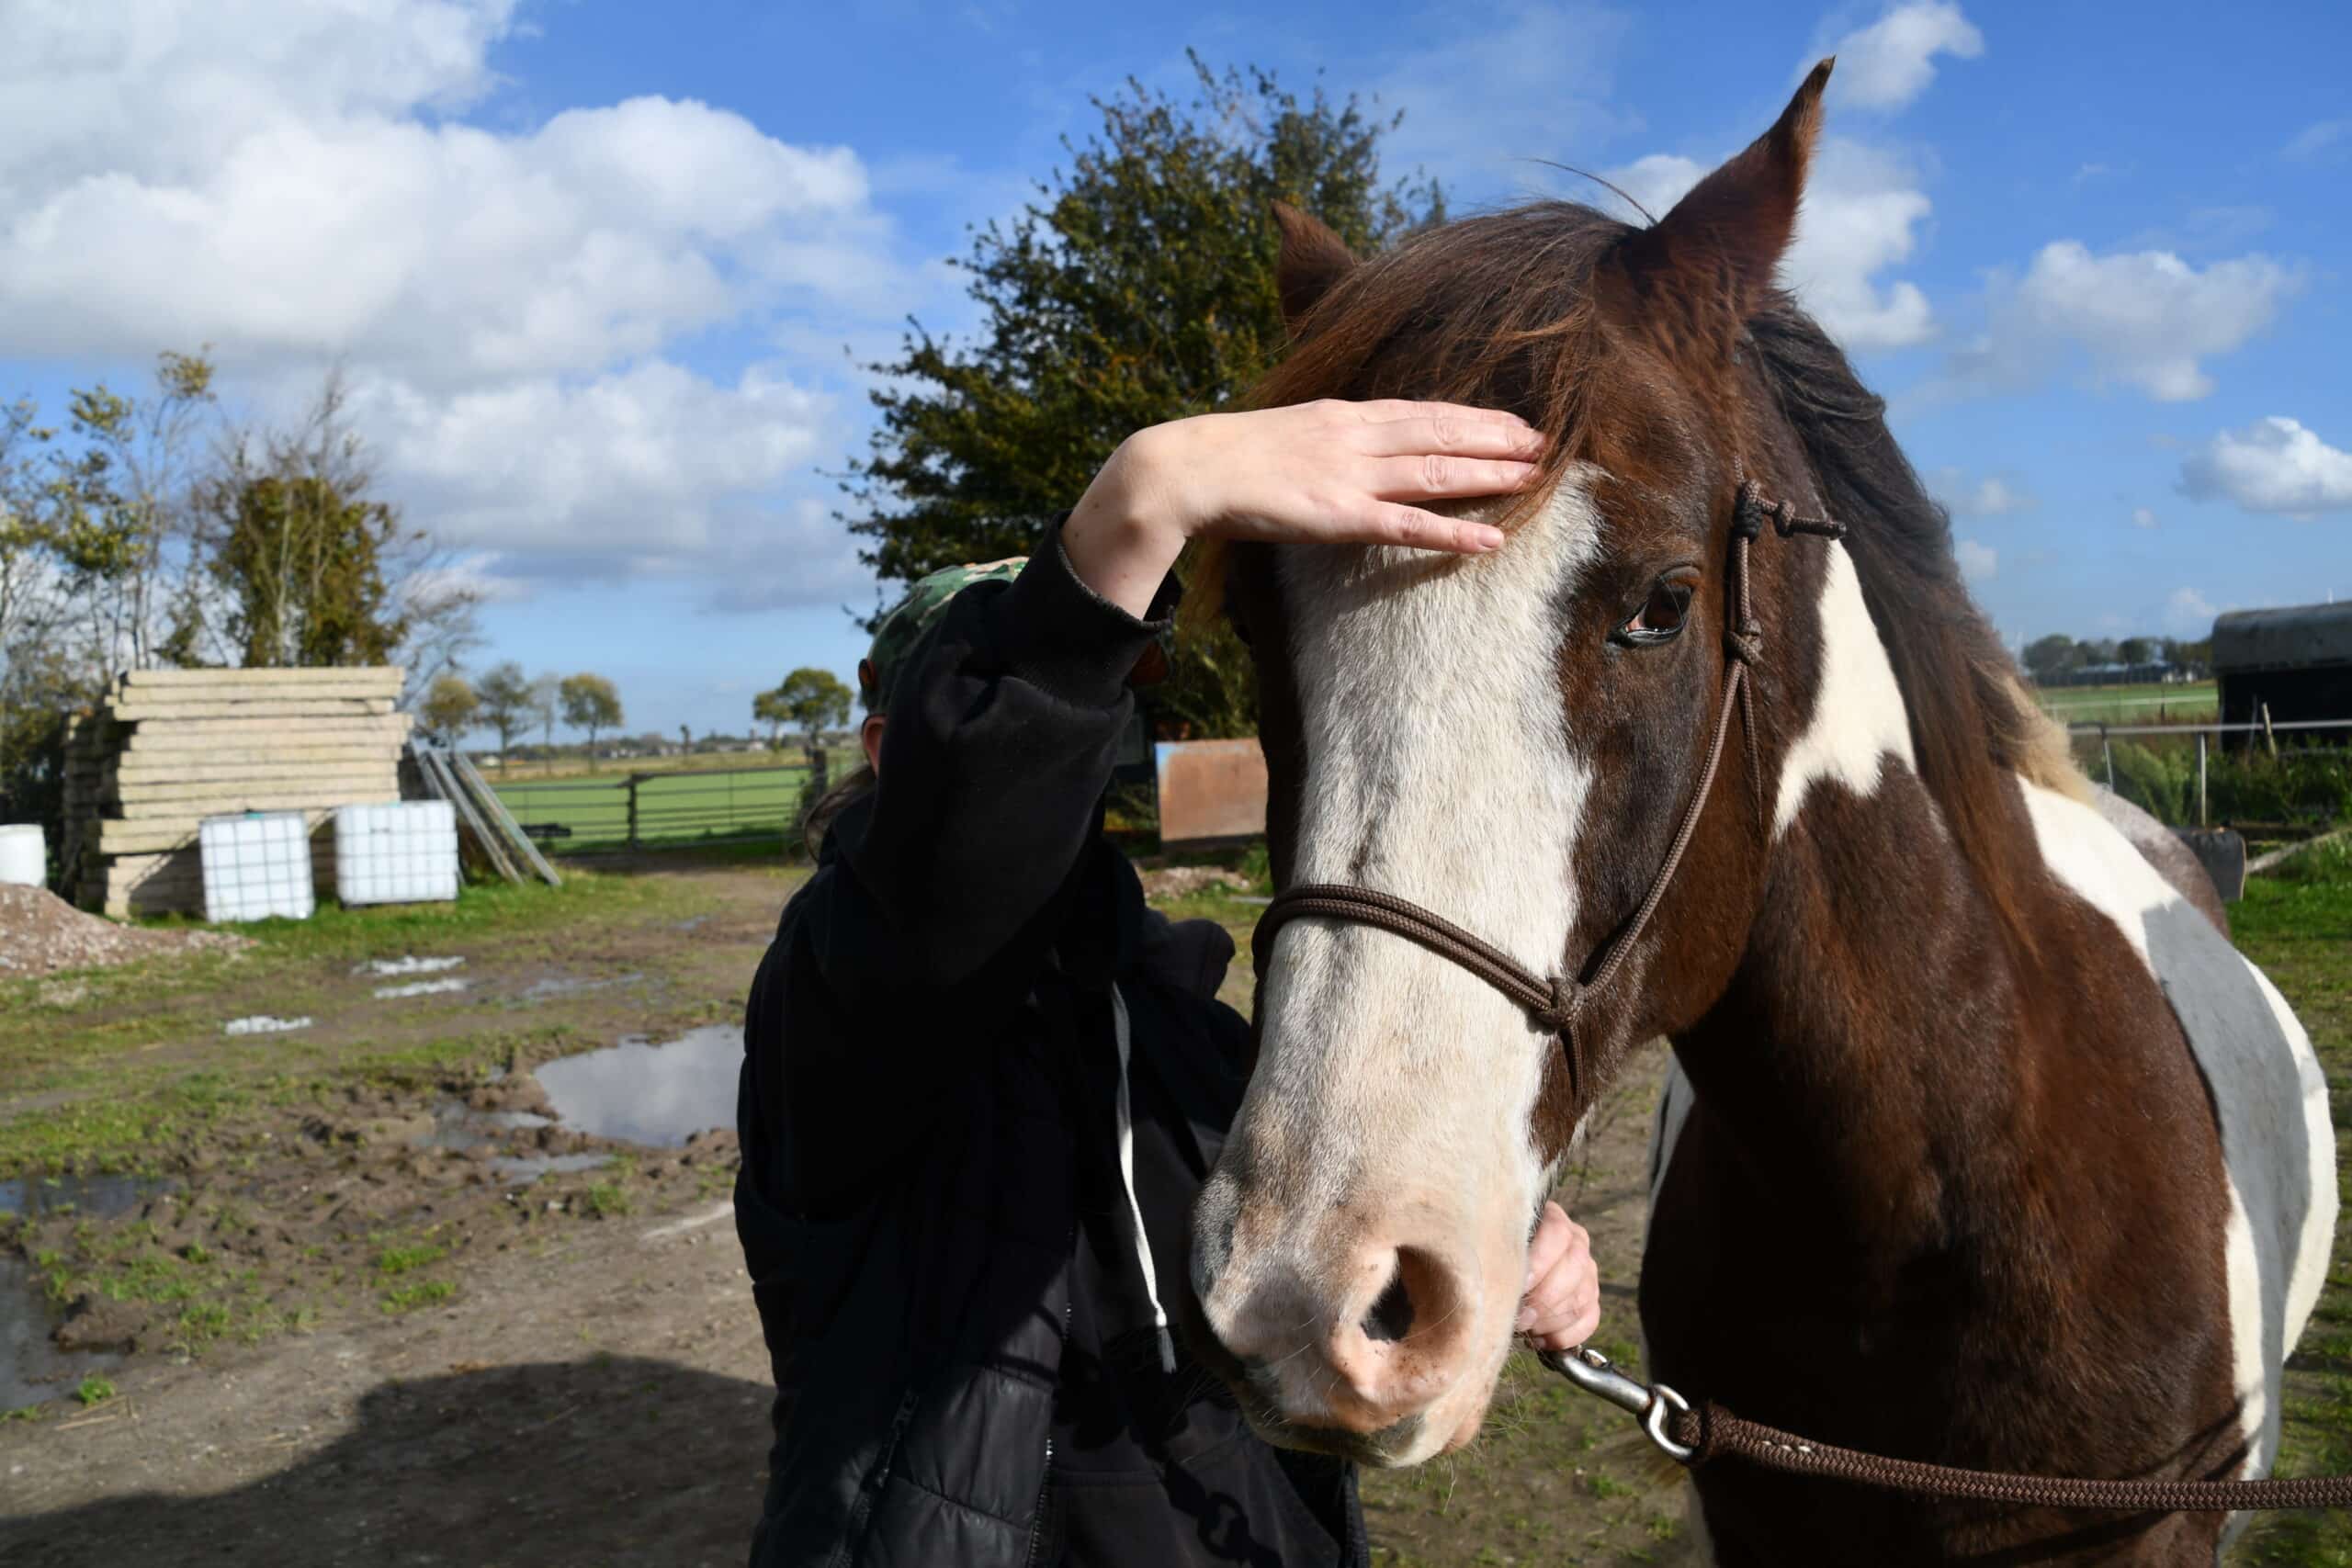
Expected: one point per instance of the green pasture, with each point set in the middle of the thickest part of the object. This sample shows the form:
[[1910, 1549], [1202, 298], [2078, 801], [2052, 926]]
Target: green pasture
[[670, 806], [2192, 702]]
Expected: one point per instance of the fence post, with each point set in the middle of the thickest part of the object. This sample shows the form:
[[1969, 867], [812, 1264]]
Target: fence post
[[632, 809], [2107, 751], [2200, 779], [2270, 735]]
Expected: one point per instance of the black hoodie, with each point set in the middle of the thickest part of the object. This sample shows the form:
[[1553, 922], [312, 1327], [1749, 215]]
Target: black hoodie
[[964, 1334]]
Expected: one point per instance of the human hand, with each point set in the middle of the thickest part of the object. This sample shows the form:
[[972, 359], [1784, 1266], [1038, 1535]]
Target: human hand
[[1562, 1306], [1326, 472]]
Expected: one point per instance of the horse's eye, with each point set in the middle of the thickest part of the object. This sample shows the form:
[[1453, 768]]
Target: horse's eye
[[1660, 616]]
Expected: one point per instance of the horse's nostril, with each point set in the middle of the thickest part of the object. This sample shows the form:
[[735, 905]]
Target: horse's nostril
[[1391, 1316]]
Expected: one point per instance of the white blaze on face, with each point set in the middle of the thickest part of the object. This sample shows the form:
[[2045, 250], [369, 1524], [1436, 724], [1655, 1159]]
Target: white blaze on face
[[1392, 1081]]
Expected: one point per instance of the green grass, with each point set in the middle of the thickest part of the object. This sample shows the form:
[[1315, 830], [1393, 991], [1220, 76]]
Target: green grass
[[94, 1390], [423, 1293], [2300, 932], [400, 1259], [2192, 702]]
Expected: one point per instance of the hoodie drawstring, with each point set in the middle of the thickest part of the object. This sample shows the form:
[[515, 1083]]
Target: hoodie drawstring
[[1127, 1172]]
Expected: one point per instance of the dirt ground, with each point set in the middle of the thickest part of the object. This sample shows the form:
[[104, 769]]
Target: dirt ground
[[293, 1327]]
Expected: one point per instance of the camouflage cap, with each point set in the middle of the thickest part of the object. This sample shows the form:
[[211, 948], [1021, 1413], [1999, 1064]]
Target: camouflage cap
[[915, 615]]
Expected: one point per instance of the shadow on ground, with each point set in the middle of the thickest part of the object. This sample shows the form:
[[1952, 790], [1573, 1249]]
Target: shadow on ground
[[610, 1460]]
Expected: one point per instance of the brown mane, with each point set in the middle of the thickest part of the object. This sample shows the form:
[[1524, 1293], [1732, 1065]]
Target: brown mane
[[1497, 310]]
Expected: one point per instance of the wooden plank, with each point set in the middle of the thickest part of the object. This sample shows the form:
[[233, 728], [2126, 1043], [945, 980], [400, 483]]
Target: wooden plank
[[118, 837], [442, 780], [175, 712], [296, 761], [389, 729], [230, 802], [383, 674], [469, 776], [164, 784]]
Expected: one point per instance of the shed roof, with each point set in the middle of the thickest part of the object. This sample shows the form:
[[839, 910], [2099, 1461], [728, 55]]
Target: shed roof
[[2298, 636]]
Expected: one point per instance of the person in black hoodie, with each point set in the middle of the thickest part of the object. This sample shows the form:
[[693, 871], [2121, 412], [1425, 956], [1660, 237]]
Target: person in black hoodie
[[982, 1082]]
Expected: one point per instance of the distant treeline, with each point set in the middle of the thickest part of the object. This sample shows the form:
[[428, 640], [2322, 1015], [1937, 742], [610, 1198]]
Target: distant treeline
[[2060, 660]]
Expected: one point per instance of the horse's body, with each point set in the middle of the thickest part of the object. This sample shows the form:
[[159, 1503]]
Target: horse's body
[[1985, 1148]]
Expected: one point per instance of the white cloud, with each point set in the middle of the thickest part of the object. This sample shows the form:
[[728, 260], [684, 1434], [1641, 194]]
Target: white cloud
[[2146, 319], [2326, 136], [1889, 63], [1862, 205], [1978, 561], [2273, 465], [284, 181], [1990, 496], [2189, 611], [2142, 518]]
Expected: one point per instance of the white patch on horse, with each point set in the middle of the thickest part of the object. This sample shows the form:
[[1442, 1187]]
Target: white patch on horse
[[2277, 1145], [1857, 714], [1438, 768]]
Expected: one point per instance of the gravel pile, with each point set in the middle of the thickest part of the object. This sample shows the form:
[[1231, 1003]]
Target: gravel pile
[[41, 934]]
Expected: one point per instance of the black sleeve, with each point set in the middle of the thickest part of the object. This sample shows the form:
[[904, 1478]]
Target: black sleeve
[[917, 941]]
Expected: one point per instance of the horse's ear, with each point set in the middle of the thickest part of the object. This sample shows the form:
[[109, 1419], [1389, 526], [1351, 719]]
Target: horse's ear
[[1710, 260], [1313, 259]]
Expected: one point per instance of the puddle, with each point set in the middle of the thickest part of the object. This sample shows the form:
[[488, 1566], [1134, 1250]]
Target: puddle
[[31, 1366], [530, 1169], [406, 966], [457, 1127], [264, 1024], [642, 1093], [564, 986], [692, 923], [95, 1197], [419, 989]]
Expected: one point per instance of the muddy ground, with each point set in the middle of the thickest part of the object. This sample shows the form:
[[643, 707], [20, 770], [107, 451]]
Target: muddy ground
[[355, 1293]]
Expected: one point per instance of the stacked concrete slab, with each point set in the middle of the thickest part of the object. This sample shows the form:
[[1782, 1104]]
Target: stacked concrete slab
[[168, 748]]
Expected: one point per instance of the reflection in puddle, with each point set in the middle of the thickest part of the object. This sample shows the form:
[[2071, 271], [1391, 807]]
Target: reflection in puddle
[[31, 1366], [94, 1197], [530, 1169], [263, 1024], [406, 966], [456, 1127], [569, 986], [641, 1093], [419, 989]]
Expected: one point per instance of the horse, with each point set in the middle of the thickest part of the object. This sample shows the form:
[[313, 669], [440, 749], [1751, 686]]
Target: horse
[[1982, 1144]]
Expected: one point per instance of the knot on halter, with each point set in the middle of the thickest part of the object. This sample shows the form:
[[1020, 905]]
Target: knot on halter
[[1558, 1013], [1747, 644], [1752, 507]]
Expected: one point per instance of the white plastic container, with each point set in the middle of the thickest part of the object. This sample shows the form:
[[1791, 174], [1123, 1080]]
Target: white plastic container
[[256, 865], [401, 853], [24, 854]]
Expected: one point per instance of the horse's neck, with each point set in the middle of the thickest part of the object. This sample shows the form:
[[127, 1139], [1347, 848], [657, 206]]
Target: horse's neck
[[1869, 1036]]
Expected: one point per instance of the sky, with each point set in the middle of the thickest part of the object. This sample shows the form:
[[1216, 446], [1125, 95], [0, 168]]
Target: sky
[[601, 277]]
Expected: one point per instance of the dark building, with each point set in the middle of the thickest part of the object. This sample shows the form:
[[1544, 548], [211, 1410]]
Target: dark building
[[2296, 660]]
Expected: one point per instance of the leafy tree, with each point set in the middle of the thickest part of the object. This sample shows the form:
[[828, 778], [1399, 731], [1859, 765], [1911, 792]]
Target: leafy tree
[[812, 700], [2137, 650], [768, 709], [449, 707], [506, 703], [2053, 657], [1138, 288], [591, 703], [300, 562]]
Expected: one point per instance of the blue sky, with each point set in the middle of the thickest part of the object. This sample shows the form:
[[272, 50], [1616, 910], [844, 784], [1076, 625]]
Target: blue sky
[[591, 267]]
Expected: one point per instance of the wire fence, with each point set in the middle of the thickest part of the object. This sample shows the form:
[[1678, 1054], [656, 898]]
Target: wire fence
[[2267, 773], [634, 810]]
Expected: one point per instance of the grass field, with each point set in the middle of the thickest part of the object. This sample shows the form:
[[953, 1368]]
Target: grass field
[[683, 803], [2193, 702]]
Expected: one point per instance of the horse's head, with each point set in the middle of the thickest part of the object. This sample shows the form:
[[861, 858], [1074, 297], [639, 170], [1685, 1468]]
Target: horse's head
[[1510, 742]]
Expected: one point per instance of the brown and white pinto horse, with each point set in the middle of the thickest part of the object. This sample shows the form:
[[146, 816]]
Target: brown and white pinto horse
[[1984, 1146]]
